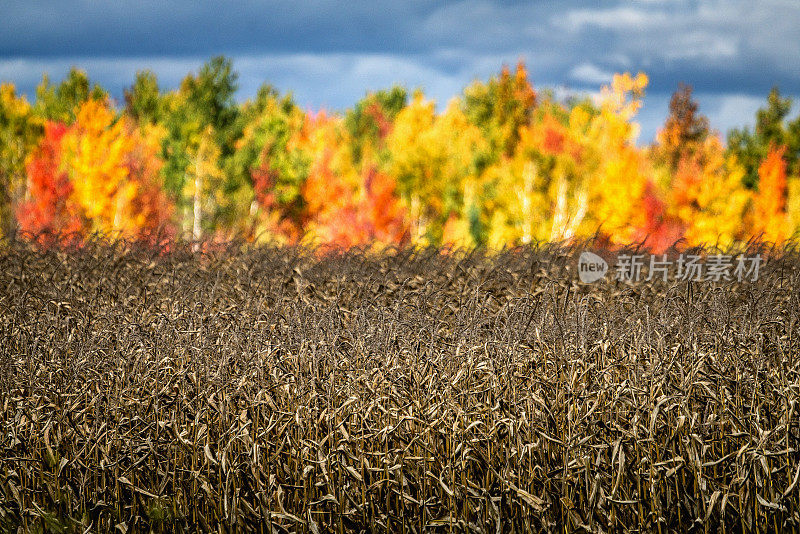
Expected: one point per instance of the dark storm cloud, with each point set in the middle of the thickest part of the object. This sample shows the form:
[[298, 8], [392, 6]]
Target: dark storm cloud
[[328, 53], [148, 27]]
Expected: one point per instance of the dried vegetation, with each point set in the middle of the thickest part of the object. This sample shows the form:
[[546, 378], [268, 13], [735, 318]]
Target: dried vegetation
[[268, 390]]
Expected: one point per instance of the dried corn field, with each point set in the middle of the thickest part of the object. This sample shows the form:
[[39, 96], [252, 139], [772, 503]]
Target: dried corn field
[[268, 390]]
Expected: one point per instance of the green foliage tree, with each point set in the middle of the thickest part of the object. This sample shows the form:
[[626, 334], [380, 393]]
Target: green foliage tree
[[60, 102], [371, 119], [205, 99], [210, 95], [143, 101], [771, 130], [20, 132], [252, 126], [500, 107], [269, 162]]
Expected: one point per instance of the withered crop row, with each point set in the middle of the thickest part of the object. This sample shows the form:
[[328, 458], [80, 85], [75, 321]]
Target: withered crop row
[[273, 390]]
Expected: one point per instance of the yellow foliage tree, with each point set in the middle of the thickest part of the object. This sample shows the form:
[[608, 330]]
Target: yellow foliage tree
[[793, 206], [431, 157], [95, 150], [113, 169], [541, 194], [620, 181], [707, 196], [204, 177]]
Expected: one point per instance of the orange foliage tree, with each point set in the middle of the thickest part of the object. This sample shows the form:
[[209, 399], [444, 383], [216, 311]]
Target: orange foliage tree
[[769, 205], [346, 207], [684, 131]]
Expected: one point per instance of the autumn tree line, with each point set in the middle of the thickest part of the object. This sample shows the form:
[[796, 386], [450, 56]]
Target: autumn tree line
[[502, 164]]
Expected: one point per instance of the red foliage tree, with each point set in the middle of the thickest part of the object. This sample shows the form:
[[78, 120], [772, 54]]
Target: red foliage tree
[[47, 209], [660, 231]]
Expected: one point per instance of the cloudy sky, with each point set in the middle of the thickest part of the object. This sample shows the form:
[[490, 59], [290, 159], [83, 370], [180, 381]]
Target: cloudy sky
[[329, 53]]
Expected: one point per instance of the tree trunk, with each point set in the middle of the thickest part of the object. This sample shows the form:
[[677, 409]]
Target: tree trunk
[[118, 213], [560, 215], [417, 218], [528, 178], [197, 210]]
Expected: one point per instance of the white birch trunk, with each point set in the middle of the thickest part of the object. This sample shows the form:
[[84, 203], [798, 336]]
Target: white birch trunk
[[417, 219], [197, 208], [528, 179], [118, 212]]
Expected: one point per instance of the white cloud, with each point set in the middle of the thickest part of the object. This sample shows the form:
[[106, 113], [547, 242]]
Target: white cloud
[[697, 45], [616, 18], [562, 93], [589, 73], [729, 111], [703, 34]]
